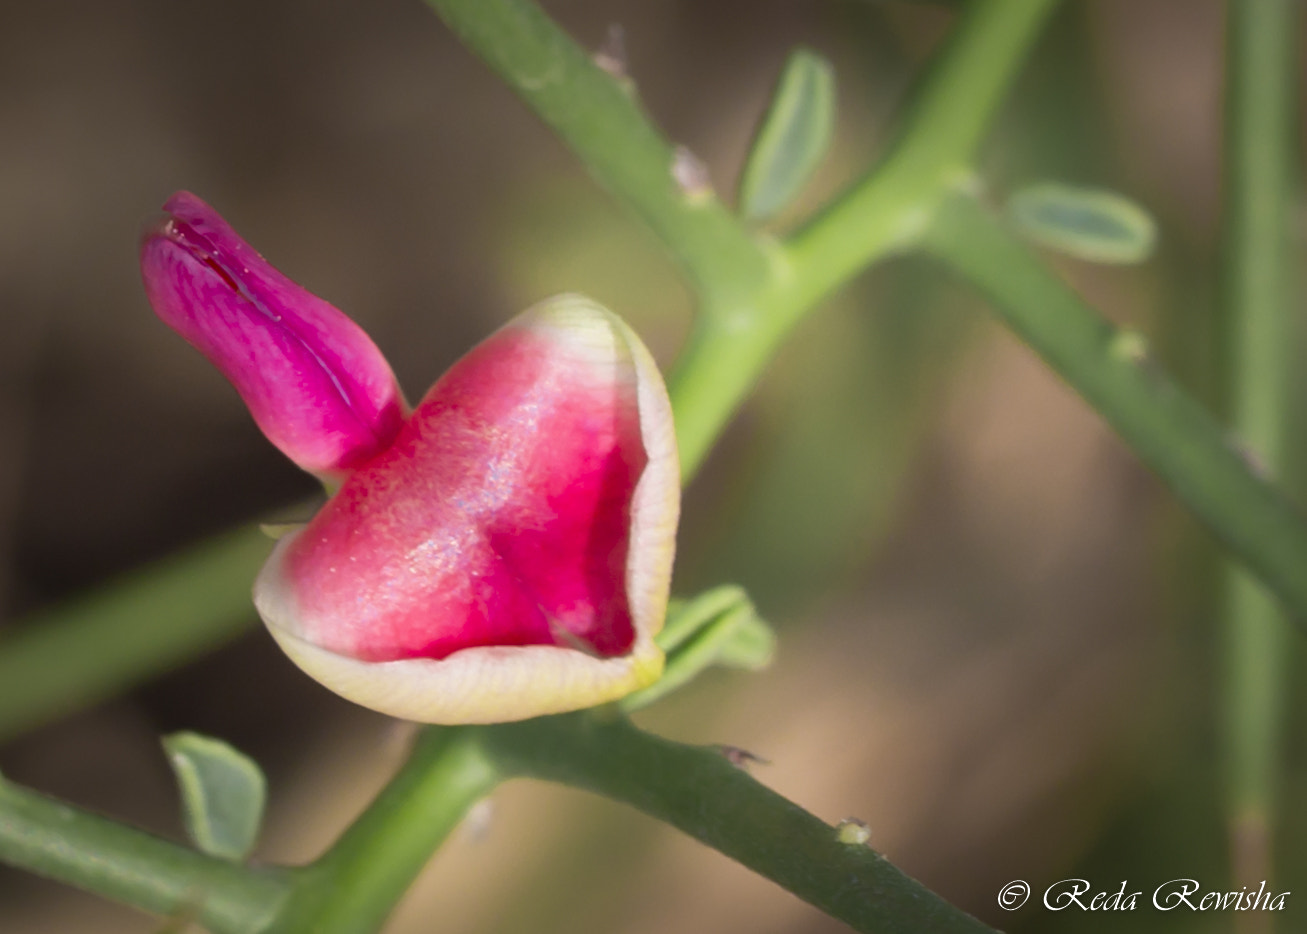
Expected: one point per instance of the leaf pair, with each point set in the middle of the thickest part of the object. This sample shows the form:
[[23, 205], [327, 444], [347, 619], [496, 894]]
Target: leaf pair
[[1093, 225]]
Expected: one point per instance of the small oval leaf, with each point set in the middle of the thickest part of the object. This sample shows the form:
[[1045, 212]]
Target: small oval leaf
[[792, 138], [223, 792], [1089, 224]]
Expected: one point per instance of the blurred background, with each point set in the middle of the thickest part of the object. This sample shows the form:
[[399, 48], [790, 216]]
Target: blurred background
[[997, 632]]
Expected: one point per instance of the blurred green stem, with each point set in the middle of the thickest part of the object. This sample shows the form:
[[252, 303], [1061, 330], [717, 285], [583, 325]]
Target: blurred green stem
[[1261, 78], [149, 622], [600, 119], [128, 865], [1112, 370]]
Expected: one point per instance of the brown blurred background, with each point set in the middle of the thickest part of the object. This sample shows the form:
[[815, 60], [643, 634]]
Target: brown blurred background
[[996, 629]]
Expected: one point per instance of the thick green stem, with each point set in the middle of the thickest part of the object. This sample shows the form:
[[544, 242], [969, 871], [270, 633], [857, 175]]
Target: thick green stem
[[1261, 77], [700, 792], [61, 842], [1110, 368], [149, 622], [352, 888]]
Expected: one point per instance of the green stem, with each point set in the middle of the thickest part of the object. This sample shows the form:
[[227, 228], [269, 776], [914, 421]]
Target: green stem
[[89, 649], [752, 289], [600, 118], [701, 793], [1260, 81], [61, 842], [889, 210], [892, 207], [357, 883], [1168, 430]]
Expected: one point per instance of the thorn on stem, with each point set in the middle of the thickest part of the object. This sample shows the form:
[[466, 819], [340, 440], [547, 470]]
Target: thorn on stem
[[1130, 346], [853, 831], [478, 821], [691, 175], [1252, 459], [740, 758], [611, 54]]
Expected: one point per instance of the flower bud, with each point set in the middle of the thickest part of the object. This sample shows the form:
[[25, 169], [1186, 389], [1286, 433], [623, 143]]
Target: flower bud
[[315, 383], [509, 554]]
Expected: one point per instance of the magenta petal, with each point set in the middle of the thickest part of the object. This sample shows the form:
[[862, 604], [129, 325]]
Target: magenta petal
[[315, 383], [503, 507], [510, 553]]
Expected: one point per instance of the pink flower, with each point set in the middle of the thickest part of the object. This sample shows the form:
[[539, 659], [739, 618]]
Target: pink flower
[[503, 552]]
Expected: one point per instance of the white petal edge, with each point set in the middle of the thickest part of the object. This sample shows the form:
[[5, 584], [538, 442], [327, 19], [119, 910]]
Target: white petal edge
[[496, 684]]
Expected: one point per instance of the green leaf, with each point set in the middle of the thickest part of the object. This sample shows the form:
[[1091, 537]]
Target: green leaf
[[793, 136], [750, 646], [718, 627], [686, 617], [223, 792], [1090, 224]]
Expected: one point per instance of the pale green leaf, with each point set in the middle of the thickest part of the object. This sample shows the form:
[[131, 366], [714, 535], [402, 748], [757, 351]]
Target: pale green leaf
[[223, 792], [1089, 224], [793, 136], [751, 645], [717, 627]]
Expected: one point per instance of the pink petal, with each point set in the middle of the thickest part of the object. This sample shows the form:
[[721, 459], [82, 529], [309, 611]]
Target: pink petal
[[316, 385], [518, 532]]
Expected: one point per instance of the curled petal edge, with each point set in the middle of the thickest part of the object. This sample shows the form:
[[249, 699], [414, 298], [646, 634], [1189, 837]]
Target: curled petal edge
[[494, 684]]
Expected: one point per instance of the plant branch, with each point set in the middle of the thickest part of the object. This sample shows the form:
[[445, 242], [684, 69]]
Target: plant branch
[[943, 126], [752, 290], [356, 884], [600, 119], [148, 622], [62, 842], [1110, 368], [1261, 76], [698, 791]]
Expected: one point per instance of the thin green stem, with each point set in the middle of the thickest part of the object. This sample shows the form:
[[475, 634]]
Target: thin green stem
[[62, 842], [700, 792], [151, 621], [1261, 77], [357, 883], [1110, 368], [600, 118]]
